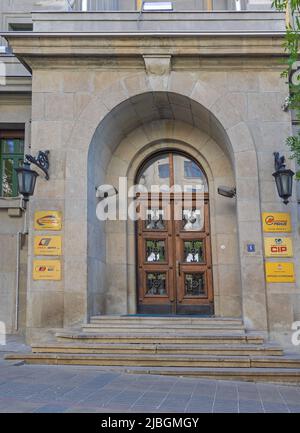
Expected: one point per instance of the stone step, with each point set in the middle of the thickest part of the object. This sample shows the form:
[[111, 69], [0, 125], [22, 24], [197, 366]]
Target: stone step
[[171, 349], [161, 320], [160, 338], [291, 361], [267, 375], [159, 360], [169, 328]]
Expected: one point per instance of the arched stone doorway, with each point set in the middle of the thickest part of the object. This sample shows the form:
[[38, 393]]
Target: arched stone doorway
[[121, 263], [139, 125], [173, 239]]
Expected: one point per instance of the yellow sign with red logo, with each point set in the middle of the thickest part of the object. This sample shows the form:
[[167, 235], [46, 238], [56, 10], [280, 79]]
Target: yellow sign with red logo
[[283, 272], [279, 247], [278, 222], [47, 270], [47, 246], [48, 220]]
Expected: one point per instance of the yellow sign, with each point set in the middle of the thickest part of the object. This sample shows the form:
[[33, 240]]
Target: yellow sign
[[279, 247], [48, 220], [280, 272], [277, 222], [47, 270], [47, 246]]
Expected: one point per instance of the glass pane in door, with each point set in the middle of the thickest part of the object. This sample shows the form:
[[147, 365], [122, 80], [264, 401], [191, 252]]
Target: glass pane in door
[[193, 220], [194, 284], [155, 175], [156, 284], [193, 251], [189, 175], [155, 251], [155, 219]]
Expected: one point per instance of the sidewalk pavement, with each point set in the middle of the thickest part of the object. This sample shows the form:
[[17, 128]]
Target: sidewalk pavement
[[65, 389]]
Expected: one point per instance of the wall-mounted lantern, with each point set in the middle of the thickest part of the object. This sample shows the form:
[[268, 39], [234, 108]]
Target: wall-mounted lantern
[[26, 180], [283, 178], [27, 177]]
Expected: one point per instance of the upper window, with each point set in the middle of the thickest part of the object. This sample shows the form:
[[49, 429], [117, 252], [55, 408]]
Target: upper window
[[11, 157]]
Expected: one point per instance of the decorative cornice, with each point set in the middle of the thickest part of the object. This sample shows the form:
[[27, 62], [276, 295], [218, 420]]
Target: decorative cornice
[[74, 46]]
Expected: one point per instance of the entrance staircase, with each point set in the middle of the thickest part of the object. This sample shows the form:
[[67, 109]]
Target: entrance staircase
[[214, 348]]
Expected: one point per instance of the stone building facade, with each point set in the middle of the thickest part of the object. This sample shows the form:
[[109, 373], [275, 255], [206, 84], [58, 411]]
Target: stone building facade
[[105, 90]]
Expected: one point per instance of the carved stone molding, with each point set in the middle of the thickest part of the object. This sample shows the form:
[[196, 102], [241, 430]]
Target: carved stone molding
[[78, 45], [157, 65]]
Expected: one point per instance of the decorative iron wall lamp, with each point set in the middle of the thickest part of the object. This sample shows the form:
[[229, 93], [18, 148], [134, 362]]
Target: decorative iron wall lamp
[[26, 180], [27, 177], [41, 161], [283, 178]]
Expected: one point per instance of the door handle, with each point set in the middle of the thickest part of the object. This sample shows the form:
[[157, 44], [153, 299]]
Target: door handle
[[178, 268]]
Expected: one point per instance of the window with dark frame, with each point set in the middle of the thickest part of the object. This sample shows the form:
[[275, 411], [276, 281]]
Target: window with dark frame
[[11, 157]]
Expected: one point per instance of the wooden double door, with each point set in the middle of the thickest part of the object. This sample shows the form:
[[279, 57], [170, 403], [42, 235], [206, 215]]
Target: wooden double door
[[174, 254]]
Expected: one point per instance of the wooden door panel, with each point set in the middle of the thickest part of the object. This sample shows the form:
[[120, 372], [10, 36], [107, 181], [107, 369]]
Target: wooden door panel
[[156, 276], [174, 254], [193, 257]]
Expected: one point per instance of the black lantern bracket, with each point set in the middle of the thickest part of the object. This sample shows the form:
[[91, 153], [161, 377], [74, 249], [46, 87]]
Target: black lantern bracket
[[41, 161], [279, 161]]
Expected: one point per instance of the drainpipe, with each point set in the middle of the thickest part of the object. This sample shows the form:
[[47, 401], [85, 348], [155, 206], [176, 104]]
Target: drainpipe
[[20, 235]]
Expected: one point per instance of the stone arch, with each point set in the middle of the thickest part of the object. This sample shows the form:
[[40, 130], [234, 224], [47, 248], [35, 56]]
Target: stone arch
[[212, 102], [216, 114]]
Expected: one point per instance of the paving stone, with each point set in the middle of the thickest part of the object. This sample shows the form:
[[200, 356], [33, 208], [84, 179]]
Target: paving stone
[[100, 398], [249, 395], [196, 408], [117, 406], [82, 410], [290, 395], [225, 409], [77, 394], [21, 390], [51, 409], [21, 408], [54, 393], [193, 410], [294, 408], [250, 407], [122, 399], [275, 407], [228, 405], [87, 389], [272, 396], [5, 404]]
